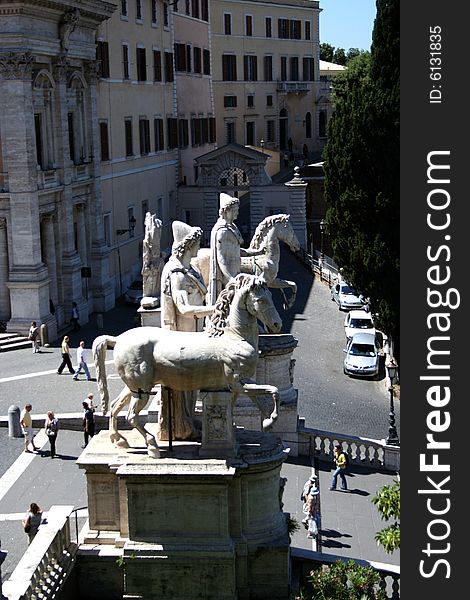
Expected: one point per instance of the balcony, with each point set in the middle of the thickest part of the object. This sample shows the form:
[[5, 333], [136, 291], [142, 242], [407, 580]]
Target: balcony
[[293, 87]]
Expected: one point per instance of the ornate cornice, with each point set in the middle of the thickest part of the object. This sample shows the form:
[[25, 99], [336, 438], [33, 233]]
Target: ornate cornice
[[16, 65], [97, 10]]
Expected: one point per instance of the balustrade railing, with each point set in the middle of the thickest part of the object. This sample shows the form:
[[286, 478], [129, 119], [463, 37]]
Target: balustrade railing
[[304, 561], [47, 561]]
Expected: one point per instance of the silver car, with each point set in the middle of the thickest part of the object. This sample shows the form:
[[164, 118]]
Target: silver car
[[358, 321], [362, 355], [346, 296]]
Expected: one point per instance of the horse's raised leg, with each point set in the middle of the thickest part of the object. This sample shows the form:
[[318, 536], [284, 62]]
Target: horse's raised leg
[[116, 406], [139, 402], [252, 390]]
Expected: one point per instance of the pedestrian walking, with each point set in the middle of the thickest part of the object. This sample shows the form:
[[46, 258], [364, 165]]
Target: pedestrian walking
[[81, 362], [51, 426], [341, 464], [66, 357], [26, 423], [32, 520], [33, 335], [75, 318], [310, 497], [88, 420]]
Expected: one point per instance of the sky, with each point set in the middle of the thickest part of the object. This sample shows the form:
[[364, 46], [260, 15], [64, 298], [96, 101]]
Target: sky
[[347, 23]]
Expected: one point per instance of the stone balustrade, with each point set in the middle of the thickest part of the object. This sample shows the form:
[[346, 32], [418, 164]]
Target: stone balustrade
[[364, 452], [303, 561], [47, 561]]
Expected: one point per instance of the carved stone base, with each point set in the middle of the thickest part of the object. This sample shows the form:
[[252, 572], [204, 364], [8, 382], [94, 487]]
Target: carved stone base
[[218, 432], [187, 527], [150, 317]]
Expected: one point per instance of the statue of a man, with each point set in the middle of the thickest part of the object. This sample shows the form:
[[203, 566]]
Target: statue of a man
[[152, 261], [226, 250], [183, 293]]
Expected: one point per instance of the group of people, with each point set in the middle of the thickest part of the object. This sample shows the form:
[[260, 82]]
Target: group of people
[[51, 426], [67, 360]]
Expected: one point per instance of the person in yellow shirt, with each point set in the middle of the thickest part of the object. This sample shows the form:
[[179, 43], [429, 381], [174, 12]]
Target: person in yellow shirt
[[27, 426], [341, 464]]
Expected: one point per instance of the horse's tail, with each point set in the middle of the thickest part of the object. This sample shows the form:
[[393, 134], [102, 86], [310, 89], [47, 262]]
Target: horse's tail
[[98, 350]]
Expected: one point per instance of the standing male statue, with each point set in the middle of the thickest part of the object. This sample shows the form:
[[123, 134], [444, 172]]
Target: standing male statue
[[182, 305], [152, 262], [226, 250]]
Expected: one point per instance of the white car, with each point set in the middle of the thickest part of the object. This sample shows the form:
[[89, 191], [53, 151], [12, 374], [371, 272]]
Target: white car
[[346, 296], [358, 321], [362, 355]]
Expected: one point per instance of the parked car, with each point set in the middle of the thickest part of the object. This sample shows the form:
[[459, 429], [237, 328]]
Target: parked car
[[357, 321], [346, 296], [134, 292], [362, 355]]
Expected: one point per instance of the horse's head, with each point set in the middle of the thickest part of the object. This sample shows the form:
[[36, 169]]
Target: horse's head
[[287, 234], [259, 303]]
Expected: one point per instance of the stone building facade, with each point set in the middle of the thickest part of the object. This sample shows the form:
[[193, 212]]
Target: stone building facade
[[50, 189]]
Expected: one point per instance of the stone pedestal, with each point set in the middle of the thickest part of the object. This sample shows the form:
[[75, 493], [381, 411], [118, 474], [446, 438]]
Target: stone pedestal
[[185, 526], [218, 432], [150, 317], [275, 367]]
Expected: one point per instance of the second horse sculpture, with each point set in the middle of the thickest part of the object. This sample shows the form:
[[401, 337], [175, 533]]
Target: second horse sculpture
[[223, 357]]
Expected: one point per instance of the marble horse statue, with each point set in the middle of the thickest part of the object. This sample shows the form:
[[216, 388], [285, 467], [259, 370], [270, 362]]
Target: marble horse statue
[[272, 230], [224, 356]]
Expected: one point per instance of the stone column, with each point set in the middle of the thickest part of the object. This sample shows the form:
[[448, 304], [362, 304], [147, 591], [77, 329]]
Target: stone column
[[298, 212], [28, 283], [102, 289], [4, 294]]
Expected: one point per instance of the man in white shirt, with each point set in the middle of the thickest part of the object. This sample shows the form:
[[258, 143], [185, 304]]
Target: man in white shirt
[[81, 362], [27, 427]]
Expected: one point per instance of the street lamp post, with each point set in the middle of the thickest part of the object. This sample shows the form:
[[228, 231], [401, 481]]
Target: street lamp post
[[392, 439], [322, 231], [132, 222], [261, 143]]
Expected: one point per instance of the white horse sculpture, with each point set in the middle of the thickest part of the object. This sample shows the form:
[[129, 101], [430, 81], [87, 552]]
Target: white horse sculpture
[[223, 357], [267, 236]]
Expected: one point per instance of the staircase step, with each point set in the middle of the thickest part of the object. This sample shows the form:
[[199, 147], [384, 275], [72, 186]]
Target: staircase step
[[15, 344]]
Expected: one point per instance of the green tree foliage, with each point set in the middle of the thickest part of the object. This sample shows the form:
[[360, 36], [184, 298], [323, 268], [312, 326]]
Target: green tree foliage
[[362, 170], [327, 52], [344, 581], [338, 55], [387, 501]]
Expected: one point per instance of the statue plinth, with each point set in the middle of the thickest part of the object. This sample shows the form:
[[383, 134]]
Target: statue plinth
[[185, 526], [150, 317]]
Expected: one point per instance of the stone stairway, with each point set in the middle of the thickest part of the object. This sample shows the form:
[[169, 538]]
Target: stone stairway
[[13, 341]]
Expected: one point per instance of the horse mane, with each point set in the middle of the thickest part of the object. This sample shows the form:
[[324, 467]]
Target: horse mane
[[217, 322], [263, 227]]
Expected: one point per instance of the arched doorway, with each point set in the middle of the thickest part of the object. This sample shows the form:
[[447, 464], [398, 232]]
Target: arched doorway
[[283, 129]]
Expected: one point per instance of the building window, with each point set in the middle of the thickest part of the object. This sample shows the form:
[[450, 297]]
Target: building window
[[250, 63], [172, 126], [295, 27], [230, 101], [157, 65], [144, 136], [307, 30], [212, 131], [294, 68], [230, 133], [138, 10], [269, 100], [124, 8], [180, 57], [159, 136], [128, 137], [107, 229], [248, 25], [321, 123], [250, 101], [39, 140], [289, 29], [71, 127], [227, 24], [197, 59], [141, 65], [125, 62], [169, 75], [308, 68], [183, 133], [188, 58], [130, 219], [165, 14], [270, 132], [206, 62], [104, 140], [250, 133], [205, 10], [154, 12], [269, 27], [102, 55], [268, 68], [229, 67], [283, 68], [195, 9], [308, 125]]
